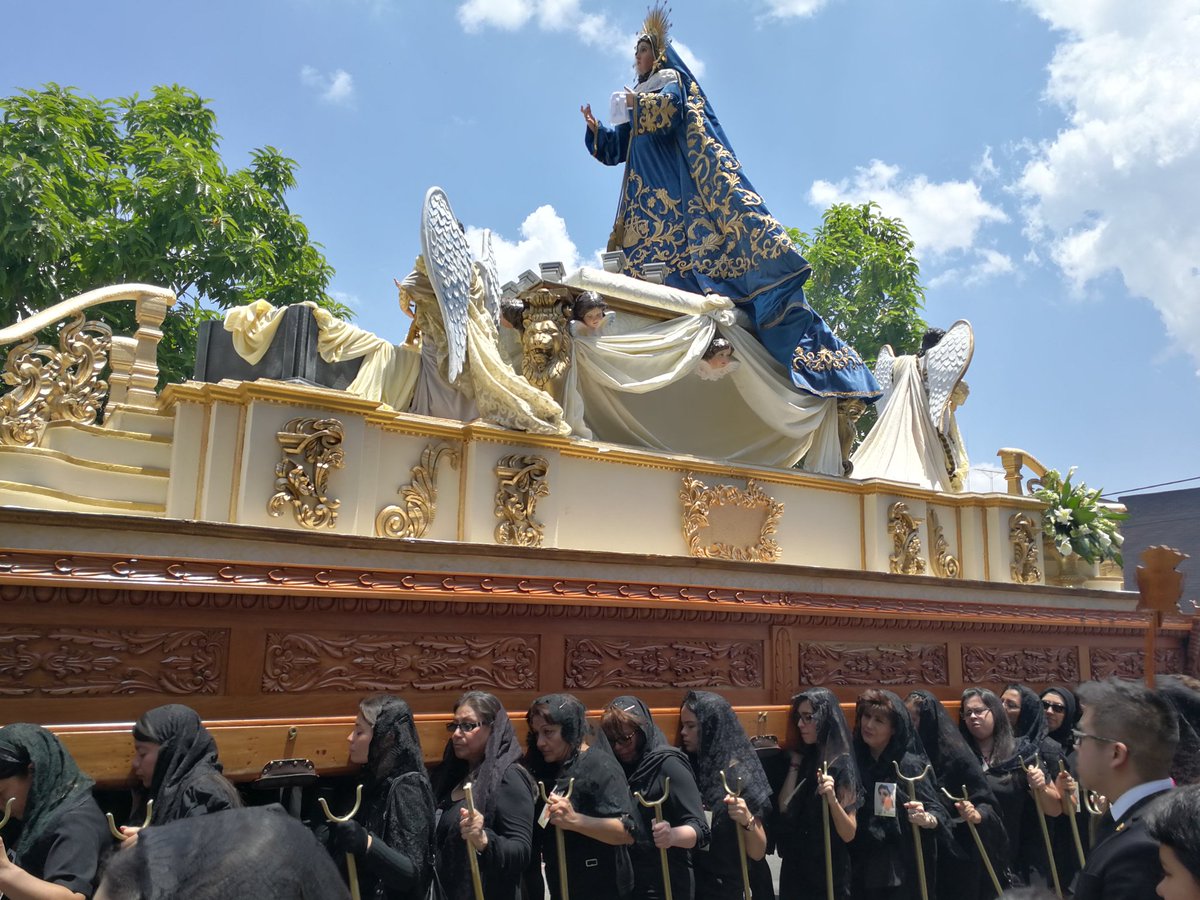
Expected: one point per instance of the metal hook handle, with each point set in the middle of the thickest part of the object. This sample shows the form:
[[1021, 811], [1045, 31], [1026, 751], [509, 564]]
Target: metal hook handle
[[728, 789], [330, 817], [7, 811], [554, 793], [112, 823], [655, 804]]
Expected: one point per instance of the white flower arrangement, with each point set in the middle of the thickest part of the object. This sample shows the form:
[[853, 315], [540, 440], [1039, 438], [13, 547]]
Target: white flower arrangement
[[1076, 522]]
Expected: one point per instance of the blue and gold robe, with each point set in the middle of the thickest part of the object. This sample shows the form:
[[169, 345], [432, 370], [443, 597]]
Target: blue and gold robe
[[686, 204]]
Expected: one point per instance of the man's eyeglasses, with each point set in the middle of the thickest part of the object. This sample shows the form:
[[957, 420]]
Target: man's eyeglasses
[[806, 718], [464, 727], [976, 713], [1080, 736], [1050, 706]]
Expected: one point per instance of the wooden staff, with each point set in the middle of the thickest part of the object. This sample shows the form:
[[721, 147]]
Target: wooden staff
[[559, 838], [472, 857], [1069, 800], [828, 846], [351, 866], [8, 812], [657, 806], [965, 798], [112, 823], [911, 784], [1037, 763], [741, 838]]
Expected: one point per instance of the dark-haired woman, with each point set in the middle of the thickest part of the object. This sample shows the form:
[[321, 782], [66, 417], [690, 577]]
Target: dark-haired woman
[[817, 736], [56, 855], [483, 751], [175, 761], [1041, 756], [391, 836], [961, 874], [715, 742], [649, 760], [596, 820], [1062, 713], [883, 855]]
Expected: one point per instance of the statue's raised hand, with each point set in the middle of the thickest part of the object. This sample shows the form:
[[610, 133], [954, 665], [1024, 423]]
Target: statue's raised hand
[[586, 109]]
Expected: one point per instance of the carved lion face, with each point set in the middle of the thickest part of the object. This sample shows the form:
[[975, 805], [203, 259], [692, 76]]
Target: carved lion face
[[543, 342]]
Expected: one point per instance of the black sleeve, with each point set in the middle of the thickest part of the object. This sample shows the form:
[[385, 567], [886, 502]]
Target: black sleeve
[[684, 805], [510, 833], [73, 857], [392, 867], [397, 861], [208, 795]]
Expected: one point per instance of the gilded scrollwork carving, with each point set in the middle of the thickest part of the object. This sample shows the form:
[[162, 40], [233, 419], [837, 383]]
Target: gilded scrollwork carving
[[352, 661], [943, 563], [1025, 537], [905, 530], [620, 663], [311, 448], [413, 518], [521, 480], [1130, 662], [846, 664], [1033, 665], [50, 384], [747, 538], [52, 661]]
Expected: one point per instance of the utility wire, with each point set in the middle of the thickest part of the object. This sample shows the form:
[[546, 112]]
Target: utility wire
[[1115, 494]]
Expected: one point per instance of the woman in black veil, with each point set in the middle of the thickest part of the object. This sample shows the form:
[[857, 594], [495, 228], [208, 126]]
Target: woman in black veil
[[961, 874], [1062, 713], [883, 857], [597, 820], [715, 742], [175, 760], [649, 760], [1041, 755], [391, 837], [483, 750], [817, 734]]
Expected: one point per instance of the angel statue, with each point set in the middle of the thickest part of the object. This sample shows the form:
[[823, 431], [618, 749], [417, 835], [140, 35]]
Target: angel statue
[[455, 304], [687, 207], [916, 438]]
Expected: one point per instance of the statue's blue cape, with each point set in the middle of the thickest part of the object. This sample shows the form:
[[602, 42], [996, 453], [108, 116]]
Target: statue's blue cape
[[687, 204]]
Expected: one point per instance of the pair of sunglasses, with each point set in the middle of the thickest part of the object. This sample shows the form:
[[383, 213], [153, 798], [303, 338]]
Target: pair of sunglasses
[[1053, 707]]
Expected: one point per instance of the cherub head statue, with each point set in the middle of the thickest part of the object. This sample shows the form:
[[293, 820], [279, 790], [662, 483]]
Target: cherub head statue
[[545, 341], [590, 309], [719, 353]]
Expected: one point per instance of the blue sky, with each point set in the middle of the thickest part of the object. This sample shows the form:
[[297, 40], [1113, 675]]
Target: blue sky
[[1044, 153]]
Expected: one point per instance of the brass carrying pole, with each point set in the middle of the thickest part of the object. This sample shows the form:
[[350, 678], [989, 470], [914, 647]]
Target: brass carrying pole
[[965, 798], [1037, 763], [828, 846], [741, 838], [112, 823], [911, 784], [1094, 814], [8, 811], [657, 806], [351, 866], [1069, 801], [559, 839], [472, 857]]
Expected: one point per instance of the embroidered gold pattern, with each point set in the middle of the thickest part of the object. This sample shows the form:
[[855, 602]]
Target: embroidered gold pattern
[[656, 112], [825, 359]]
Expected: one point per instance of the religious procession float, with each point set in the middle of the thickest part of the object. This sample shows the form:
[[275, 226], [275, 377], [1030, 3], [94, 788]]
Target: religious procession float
[[635, 478]]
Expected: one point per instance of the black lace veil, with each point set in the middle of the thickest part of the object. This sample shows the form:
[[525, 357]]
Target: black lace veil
[[724, 746]]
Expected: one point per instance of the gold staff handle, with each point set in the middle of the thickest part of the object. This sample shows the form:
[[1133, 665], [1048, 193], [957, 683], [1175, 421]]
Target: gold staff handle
[[559, 838], [1094, 814], [741, 838], [966, 798], [8, 811], [657, 806], [1037, 763], [911, 784], [828, 845], [112, 823], [1069, 800], [472, 856], [351, 866]]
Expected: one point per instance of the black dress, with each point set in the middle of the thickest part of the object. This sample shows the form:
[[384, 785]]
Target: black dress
[[800, 837], [68, 852]]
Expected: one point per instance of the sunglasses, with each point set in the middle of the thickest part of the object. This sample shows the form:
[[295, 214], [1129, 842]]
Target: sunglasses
[[1050, 706], [464, 727]]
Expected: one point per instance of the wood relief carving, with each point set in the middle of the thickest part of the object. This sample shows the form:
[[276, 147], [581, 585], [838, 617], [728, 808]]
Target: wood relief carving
[[906, 541], [1032, 665], [521, 480], [944, 564], [870, 664], [311, 447], [351, 661], [786, 672], [1130, 662], [413, 518], [616, 663], [726, 522], [1025, 537], [50, 661]]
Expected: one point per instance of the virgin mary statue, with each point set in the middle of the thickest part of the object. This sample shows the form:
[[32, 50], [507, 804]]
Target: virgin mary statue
[[686, 205]]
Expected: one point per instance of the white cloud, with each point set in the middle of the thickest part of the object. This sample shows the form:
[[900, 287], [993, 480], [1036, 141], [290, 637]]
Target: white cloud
[[942, 217], [985, 169], [791, 9], [690, 59], [508, 15], [543, 238], [347, 299], [989, 263], [337, 87], [1117, 188]]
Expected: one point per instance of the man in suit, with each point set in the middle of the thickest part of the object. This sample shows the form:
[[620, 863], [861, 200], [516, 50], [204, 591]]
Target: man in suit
[[1124, 744]]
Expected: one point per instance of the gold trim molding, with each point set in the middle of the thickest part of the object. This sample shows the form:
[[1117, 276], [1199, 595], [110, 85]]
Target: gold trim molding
[[413, 518], [520, 481], [699, 500], [1024, 536], [943, 563], [311, 447], [906, 541]]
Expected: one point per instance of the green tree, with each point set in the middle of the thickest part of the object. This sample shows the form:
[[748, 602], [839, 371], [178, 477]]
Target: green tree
[[866, 280], [98, 192]]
